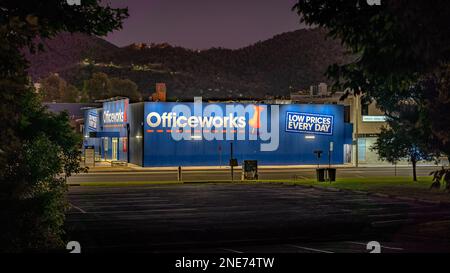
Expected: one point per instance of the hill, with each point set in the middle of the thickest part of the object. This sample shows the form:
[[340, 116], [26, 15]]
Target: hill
[[284, 63], [64, 52]]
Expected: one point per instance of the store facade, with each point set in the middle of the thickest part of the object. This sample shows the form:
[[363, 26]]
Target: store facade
[[153, 134]]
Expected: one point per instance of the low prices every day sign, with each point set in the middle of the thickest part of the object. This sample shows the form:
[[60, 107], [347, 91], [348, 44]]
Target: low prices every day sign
[[309, 123]]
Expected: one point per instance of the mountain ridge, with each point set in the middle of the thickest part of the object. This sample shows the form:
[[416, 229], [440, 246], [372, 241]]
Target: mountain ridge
[[287, 62]]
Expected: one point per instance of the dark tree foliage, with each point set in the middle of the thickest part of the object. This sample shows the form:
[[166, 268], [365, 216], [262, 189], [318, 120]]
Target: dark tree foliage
[[55, 89], [435, 89], [403, 52], [38, 150], [405, 138], [101, 86], [396, 42]]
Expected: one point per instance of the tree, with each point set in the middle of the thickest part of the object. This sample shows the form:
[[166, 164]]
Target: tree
[[52, 88], [124, 88], [405, 138], [70, 94], [55, 89], [397, 39], [98, 87], [435, 90], [401, 52], [38, 150]]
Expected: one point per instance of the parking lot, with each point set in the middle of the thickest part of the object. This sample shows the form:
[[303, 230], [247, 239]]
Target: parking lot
[[240, 217]]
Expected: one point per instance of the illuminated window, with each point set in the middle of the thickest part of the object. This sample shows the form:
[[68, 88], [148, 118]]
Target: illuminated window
[[361, 149]]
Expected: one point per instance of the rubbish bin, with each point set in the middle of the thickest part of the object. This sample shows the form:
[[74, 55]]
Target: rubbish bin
[[331, 174], [250, 170], [320, 174]]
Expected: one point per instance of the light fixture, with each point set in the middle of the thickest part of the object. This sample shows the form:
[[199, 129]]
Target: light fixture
[[310, 137], [196, 137]]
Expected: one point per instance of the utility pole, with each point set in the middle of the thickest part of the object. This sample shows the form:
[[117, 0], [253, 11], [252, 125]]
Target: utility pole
[[232, 165], [220, 156], [330, 150], [357, 112]]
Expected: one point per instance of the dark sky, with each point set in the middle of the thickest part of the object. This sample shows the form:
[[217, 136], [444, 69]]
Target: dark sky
[[201, 24]]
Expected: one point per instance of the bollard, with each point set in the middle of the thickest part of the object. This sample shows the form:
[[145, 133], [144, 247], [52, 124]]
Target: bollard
[[179, 173]]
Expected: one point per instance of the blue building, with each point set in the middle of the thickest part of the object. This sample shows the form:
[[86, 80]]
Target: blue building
[[152, 134]]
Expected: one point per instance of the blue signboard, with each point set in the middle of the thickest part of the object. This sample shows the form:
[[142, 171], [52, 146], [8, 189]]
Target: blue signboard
[[309, 123], [115, 113], [91, 125], [92, 120]]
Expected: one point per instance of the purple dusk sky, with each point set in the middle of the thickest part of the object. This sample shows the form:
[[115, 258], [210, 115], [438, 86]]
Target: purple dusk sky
[[201, 24]]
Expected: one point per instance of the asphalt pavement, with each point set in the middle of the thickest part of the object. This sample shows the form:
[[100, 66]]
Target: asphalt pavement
[[243, 218]]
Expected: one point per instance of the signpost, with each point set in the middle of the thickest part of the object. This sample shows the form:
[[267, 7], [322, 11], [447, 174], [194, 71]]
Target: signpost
[[319, 172], [89, 156], [220, 156], [329, 153], [233, 162], [318, 154]]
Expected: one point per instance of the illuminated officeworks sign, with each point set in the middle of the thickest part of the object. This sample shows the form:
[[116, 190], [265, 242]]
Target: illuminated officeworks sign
[[116, 117], [115, 112], [168, 120], [309, 123]]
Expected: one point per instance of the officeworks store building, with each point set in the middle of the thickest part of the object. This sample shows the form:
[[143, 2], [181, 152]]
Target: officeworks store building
[[152, 134]]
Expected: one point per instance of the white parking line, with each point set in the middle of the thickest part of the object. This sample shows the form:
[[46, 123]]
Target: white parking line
[[231, 250], [142, 211], [77, 208], [382, 246], [310, 249]]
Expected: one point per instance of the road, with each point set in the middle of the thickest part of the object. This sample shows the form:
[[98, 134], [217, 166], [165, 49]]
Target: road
[[235, 218], [211, 175]]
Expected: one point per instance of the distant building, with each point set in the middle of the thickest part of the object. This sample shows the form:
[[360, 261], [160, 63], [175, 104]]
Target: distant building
[[75, 111], [313, 90], [323, 89], [277, 101], [318, 90], [160, 94], [319, 94]]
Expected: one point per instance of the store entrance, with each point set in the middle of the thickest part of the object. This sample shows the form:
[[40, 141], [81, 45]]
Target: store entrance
[[114, 146]]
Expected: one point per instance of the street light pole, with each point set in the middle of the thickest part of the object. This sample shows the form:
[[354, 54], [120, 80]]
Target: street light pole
[[357, 113], [232, 165]]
